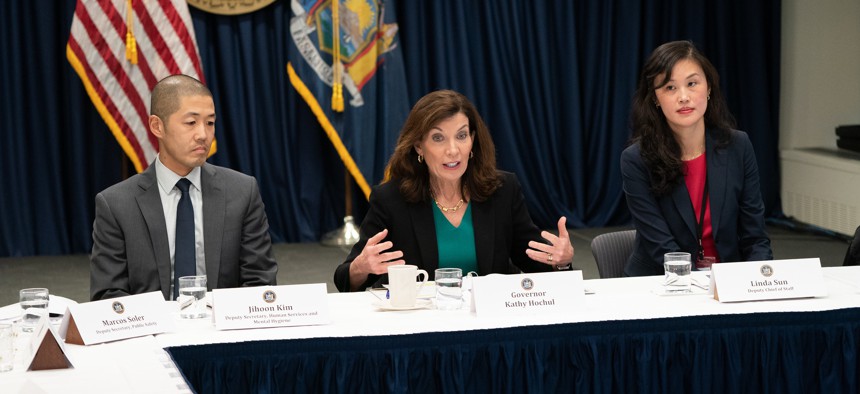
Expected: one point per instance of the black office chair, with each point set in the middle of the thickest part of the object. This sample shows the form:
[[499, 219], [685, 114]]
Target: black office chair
[[852, 256], [611, 251]]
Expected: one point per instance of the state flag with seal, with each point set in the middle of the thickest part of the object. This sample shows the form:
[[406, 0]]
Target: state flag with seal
[[346, 64]]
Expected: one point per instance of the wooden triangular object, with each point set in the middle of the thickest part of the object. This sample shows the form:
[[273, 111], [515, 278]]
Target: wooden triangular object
[[49, 355], [73, 336]]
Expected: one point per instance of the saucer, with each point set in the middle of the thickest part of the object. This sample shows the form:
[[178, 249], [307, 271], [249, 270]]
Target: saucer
[[425, 291], [385, 305], [56, 307]]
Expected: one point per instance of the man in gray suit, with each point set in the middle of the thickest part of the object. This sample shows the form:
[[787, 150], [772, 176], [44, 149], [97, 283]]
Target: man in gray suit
[[135, 230]]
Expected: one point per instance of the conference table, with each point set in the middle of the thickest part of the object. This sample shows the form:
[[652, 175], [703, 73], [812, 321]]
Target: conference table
[[623, 338]]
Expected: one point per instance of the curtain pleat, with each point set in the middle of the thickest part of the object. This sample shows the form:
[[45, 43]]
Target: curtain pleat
[[553, 79], [786, 352]]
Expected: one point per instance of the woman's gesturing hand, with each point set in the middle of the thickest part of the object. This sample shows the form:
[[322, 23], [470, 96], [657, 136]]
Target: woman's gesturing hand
[[559, 251], [374, 258]]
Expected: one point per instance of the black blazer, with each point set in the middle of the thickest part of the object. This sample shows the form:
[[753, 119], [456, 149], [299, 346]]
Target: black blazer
[[668, 223], [852, 255], [503, 229]]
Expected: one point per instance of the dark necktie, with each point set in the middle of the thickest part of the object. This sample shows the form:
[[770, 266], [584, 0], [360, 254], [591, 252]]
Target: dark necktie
[[184, 261]]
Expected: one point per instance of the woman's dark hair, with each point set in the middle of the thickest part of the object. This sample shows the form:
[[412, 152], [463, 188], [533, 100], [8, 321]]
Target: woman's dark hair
[[659, 149], [481, 178]]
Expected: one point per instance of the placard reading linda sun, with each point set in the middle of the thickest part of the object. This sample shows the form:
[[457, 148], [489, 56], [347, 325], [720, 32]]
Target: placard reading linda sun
[[767, 280]]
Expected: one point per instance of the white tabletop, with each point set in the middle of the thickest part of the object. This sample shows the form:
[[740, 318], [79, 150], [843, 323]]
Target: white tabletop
[[141, 365]]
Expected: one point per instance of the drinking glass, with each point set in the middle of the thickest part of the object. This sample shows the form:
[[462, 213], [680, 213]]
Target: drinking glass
[[449, 288], [7, 346], [34, 303], [192, 297], [677, 266]]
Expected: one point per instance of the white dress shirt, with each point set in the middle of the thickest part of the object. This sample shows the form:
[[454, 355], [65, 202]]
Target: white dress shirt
[[170, 195]]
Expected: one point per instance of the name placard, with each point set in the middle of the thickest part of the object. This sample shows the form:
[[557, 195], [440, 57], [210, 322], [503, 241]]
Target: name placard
[[46, 350], [117, 318], [767, 280], [270, 306], [527, 294]]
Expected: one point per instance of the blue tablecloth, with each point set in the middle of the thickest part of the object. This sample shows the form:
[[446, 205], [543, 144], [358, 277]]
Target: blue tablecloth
[[786, 352]]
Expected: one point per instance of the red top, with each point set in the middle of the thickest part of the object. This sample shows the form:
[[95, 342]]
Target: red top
[[695, 171]]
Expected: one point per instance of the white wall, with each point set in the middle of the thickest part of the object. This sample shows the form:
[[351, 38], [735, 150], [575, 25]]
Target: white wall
[[820, 80]]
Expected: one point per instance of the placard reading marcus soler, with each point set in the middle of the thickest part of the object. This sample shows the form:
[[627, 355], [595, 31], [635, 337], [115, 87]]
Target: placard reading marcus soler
[[270, 306], [117, 318], [527, 294]]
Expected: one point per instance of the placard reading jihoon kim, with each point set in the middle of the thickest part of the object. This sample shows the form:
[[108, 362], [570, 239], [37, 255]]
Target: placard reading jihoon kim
[[527, 294], [270, 306]]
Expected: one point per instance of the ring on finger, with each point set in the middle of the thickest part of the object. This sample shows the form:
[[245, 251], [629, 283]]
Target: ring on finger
[[549, 257]]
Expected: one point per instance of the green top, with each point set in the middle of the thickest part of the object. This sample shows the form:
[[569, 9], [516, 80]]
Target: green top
[[456, 244]]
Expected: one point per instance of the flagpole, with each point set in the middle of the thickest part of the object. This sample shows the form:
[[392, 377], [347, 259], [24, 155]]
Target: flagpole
[[346, 235]]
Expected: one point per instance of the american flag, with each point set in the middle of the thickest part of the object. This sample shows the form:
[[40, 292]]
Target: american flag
[[119, 69]]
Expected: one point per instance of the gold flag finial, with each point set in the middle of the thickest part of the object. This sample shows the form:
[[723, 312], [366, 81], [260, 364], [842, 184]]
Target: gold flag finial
[[337, 85], [130, 41]]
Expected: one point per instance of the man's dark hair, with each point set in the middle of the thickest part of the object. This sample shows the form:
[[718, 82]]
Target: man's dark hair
[[167, 92]]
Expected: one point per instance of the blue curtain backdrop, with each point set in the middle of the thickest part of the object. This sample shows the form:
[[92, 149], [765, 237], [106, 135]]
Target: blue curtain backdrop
[[553, 80]]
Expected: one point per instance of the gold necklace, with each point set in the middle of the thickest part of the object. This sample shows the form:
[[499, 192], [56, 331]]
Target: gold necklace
[[698, 152], [446, 209]]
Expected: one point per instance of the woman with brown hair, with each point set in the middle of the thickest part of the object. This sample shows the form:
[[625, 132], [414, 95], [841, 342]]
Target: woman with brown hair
[[446, 205]]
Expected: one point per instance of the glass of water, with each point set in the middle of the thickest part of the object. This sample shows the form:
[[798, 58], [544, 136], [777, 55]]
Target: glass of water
[[677, 266], [192, 297], [34, 303], [7, 346], [449, 288]]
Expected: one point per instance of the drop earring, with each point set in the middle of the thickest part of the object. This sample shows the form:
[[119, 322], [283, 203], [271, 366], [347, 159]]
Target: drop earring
[[420, 159]]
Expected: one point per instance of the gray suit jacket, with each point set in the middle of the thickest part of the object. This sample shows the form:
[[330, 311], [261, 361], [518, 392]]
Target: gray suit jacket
[[131, 254]]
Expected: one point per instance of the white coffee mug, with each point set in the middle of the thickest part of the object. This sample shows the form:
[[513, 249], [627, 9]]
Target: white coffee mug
[[403, 285]]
